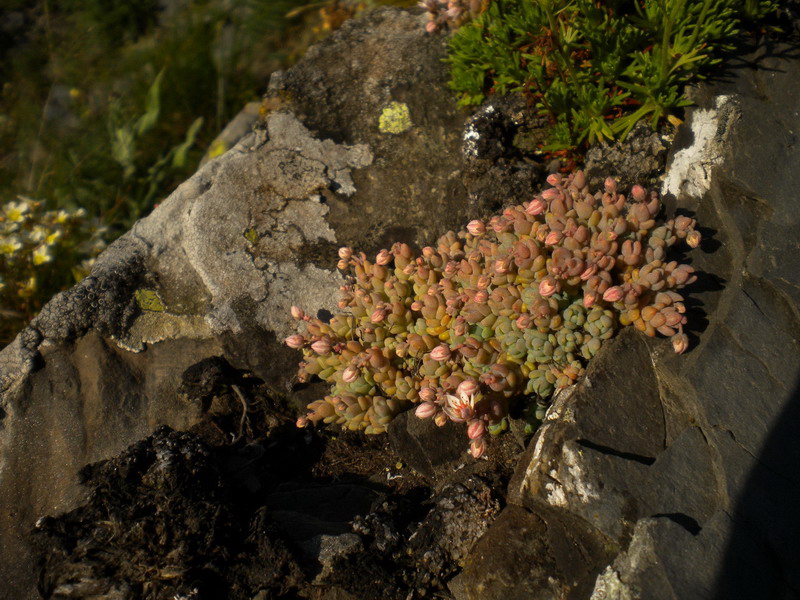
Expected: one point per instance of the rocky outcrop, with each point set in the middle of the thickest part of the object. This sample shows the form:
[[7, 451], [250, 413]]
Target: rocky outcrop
[[655, 476], [682, 468], [215, 268]]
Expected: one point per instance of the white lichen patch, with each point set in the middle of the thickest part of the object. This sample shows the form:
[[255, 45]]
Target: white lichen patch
[[314, 289], [690, 170], [472, 135], [609, 586], [555, 495], [578, 484]]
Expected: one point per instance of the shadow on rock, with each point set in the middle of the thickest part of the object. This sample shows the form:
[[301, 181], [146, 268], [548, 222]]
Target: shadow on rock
[[762, 556]]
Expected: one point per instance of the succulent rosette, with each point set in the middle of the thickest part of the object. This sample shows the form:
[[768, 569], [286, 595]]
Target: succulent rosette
[[511, 307]]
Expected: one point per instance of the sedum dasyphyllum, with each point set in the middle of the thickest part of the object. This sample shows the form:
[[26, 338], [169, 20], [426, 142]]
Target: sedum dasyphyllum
[[512, 306]]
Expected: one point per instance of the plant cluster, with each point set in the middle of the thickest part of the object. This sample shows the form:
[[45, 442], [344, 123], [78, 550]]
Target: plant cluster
[[594, 69], [41, 252], [516, 305]]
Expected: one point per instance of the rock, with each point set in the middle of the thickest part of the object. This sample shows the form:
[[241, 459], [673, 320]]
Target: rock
[[687, 463], [493, 143], [213, 271], [544, 553], [433, 452], [639, 158], [388, 62]]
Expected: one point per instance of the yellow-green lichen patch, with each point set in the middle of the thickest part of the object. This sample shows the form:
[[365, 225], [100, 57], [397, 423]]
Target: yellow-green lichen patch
[[251, 235], [149, 300], [395, 118]]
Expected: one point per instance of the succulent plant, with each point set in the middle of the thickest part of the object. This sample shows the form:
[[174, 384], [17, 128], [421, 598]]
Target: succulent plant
[[512, 306]]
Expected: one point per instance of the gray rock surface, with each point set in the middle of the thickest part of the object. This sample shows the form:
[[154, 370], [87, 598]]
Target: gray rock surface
[[686, 465], [214, 270], [656, 476]]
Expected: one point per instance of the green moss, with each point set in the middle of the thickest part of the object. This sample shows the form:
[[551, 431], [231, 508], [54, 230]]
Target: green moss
[[395, 118]]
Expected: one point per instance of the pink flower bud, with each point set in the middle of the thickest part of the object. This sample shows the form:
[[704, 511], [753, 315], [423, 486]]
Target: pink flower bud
[[501, 267], [588, 272], [483, 282], [547, 287], [476, 227], [536, 207], [639, 194], [481, 296], [416, 305], [552, 238], [440, 353], [302, 422], [589, 299], [345, 252], [476, 429], [440, 419], [431, 26], [470, 387], [427, 394], [350, 374], [297, 313], [477, 448], [613, 294], [551, 194], [383, 258], [377, 315], [342, 264], [498, 224], [554, 179], [523, 321], [693, 238], [610, 185], [680, 343], [295, 341], [322, 346], [425, 410]]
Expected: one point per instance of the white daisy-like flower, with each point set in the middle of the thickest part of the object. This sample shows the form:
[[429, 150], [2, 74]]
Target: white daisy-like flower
[[15, 211], [9, 245], [38, 234], [41, 255]]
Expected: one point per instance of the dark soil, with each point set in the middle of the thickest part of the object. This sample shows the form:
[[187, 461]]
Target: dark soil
[[248, 506]]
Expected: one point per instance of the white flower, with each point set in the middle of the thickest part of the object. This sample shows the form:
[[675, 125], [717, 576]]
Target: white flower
[[41, 255], [9, 245], [460, 408], [15, 211]]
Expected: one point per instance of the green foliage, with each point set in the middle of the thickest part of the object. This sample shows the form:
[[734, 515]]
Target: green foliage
[[512, 307], [41, 252], [595, 69], [109, 105]]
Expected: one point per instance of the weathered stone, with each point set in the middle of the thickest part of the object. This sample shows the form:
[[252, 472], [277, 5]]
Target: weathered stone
[[434, 452], [224, 258], [639, 158], [545, 553], [382, 61]]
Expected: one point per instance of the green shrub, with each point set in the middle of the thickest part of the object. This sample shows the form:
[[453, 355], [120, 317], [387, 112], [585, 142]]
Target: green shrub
[[595, 68]]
